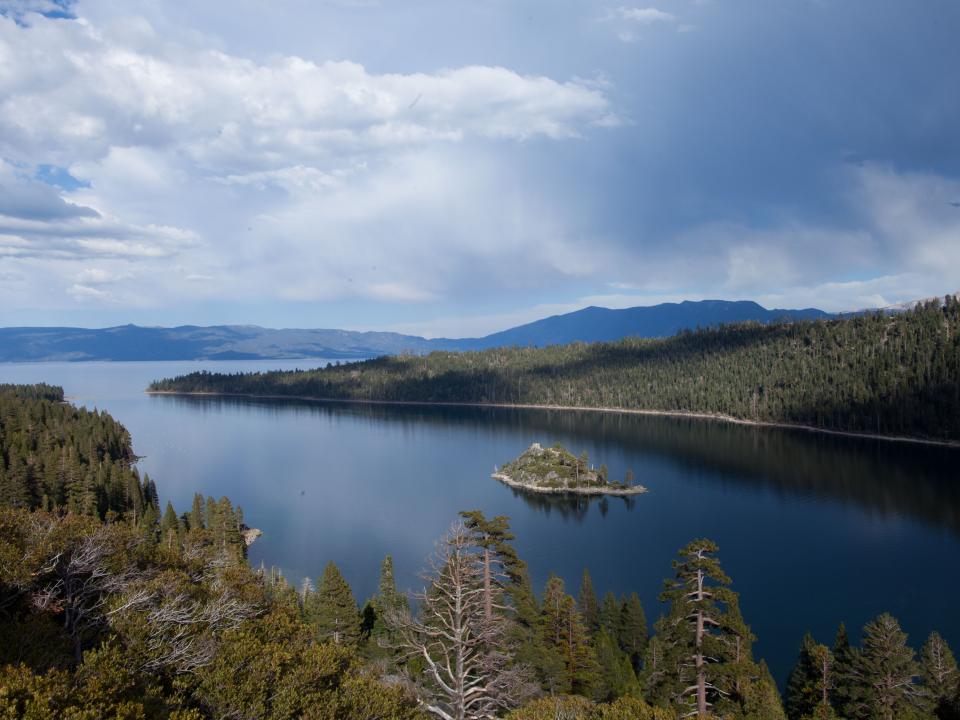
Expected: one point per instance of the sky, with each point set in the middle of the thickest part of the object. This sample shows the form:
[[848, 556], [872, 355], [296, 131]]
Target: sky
[[451, 168]]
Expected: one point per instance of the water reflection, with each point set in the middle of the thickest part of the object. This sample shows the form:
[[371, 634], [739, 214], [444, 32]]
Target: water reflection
[[886, 479]]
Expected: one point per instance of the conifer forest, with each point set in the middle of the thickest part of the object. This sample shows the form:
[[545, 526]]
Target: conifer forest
[[873, 373]]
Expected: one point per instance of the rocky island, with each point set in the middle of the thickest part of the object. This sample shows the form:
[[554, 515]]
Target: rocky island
[[557, 470]]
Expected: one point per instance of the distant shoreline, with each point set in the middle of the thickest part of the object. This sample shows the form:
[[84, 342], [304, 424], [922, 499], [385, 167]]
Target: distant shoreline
[[611, 410]]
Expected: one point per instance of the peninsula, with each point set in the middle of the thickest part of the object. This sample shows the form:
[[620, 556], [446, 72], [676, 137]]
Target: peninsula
[[556, 470]]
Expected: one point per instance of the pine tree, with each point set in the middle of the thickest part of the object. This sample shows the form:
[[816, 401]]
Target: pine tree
[[13, 489], [466, 675], [610, 614], [170, 521], [195, 518], [616, 676], [695, 630], [760, 698], [844, 664], [886, 672], [938, 671], [587, 603], [566, 634], [800, 697], [633, 634], [336, 618], [500, 561], [386, 603]]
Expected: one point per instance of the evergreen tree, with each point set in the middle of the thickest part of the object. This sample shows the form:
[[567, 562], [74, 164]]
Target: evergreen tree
[[170, 521], [610, 614], [696, 628], [566, 635], [761, 699], [335, 613], [616, 677], [14, 491], [195, 518], [587, 603], [886, 672], [938, 671], [844, 664], [810, 688], [633, 633], [386, 603], [801, 696]]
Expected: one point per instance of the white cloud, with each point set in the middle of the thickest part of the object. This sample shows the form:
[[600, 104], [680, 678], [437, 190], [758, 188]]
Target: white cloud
[[73, 92], [644, 16], [628, 19], [278, 178]]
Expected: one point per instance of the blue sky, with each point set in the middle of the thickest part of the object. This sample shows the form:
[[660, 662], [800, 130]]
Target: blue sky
[[453, 168]]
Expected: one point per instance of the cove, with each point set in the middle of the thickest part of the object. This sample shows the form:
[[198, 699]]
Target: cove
[[813, 529]]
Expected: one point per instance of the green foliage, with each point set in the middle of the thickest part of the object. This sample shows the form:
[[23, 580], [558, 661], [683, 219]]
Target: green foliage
[[554, 468], [938, 672], [875, 373], [616, 677], [802, 693], [286, 674], [587, 603], [566, 635], [568, 707], [885, 674], [56, 456], [332, 610], [632, 632]]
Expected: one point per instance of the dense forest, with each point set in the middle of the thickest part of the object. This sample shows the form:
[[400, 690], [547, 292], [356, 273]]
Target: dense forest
[[873, 373], [56, 456], [129, 614]]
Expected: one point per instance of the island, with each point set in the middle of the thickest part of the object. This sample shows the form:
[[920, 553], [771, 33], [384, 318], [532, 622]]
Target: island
[[557, 470]]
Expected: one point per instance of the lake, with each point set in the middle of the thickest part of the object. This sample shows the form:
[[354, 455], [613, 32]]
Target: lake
[[813, 529]]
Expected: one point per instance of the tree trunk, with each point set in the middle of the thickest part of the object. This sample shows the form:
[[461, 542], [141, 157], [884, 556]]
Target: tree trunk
[[487, 590]]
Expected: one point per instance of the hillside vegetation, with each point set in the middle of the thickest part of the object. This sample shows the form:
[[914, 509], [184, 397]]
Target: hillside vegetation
[[875, 373]]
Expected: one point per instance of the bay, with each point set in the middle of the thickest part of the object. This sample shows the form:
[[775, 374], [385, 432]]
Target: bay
[[813, 529]]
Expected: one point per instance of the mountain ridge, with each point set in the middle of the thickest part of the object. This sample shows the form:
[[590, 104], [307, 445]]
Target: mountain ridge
[[252, 342]]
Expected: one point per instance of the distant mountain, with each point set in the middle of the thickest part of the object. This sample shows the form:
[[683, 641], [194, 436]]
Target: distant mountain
[[597, 324], [250, 342], [189, 342]]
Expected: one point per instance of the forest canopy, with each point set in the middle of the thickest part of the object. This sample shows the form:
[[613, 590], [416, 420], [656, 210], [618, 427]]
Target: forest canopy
[[875, 373]]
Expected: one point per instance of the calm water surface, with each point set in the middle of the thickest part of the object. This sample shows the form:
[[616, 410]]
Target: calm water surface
[[813, 529]]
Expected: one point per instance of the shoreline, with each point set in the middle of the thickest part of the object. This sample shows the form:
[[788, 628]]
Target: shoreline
[[611, 410], [595, 490]]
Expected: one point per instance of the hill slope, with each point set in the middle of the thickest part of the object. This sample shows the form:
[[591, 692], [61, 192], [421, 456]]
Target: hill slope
[[597, 324], [874, 373]]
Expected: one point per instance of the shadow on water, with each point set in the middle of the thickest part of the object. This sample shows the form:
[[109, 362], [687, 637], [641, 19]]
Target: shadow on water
[[889, 479]]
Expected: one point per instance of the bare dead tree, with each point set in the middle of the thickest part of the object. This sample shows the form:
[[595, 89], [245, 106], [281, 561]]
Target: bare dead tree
[[182, 632], [78, 581], [468, 674]]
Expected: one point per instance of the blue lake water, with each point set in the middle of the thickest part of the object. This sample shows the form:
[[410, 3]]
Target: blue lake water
[[813, 529]]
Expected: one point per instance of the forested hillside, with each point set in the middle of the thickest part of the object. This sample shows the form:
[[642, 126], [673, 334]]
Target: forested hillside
[[875, 373], [56, 456]]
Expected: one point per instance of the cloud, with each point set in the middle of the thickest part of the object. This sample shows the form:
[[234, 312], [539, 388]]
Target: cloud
[[628, 19], [644, 16], [279, 175], [71, 92]]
